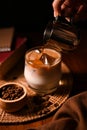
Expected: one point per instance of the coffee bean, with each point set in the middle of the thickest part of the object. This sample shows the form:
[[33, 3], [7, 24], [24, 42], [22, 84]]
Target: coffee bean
[[11, 92]]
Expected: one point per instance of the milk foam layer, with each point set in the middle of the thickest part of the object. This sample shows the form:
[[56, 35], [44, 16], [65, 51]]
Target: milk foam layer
[[43, 69]]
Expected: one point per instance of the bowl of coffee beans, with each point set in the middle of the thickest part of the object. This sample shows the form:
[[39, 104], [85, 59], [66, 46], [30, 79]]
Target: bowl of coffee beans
[[13, 96]]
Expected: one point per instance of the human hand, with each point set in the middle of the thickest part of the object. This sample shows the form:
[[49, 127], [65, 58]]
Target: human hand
[[77, 9]]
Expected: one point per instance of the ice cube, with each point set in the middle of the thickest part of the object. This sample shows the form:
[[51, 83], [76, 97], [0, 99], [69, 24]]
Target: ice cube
[[33, 55], [38, 51], [47, 59]]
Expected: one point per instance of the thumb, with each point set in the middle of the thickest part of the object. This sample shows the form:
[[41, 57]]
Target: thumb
[[57, 7]]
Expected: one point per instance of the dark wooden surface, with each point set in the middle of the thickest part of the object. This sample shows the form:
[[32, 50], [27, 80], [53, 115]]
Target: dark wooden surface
[[77, 63]]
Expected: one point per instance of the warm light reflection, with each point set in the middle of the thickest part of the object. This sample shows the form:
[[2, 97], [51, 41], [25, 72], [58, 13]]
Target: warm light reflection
[[61, 82]]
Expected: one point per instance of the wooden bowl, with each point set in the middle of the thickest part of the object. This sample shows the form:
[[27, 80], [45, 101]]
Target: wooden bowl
[[13, 96]]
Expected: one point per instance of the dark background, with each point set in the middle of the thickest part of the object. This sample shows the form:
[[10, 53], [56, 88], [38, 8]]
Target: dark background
[[26, 15]]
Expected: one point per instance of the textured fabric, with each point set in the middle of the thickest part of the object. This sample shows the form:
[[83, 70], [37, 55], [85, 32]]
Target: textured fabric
[[71, 116]]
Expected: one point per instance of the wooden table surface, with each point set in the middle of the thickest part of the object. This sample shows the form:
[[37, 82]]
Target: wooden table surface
[[77, 63]]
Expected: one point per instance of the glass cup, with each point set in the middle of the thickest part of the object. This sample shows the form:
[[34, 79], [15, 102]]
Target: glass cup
[[42, 69]]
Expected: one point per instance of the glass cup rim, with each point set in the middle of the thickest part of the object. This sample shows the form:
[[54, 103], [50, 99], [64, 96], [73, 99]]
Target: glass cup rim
[[49, 47]]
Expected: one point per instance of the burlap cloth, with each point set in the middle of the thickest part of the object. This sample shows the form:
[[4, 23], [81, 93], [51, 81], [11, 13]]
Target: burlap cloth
[[39, 106]]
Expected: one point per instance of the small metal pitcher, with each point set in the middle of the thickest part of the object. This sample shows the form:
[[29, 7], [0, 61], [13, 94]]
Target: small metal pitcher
[[62, 33]]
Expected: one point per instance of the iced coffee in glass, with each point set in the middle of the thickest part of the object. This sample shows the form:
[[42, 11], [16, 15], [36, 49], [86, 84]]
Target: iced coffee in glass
[[42, 69]]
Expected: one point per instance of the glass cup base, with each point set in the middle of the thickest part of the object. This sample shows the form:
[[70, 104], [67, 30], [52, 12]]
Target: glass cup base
[[44, 91]]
